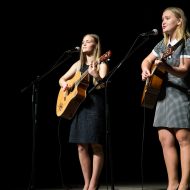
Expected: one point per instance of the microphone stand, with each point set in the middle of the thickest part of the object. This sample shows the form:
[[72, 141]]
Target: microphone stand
[[35, 94], [129, 53], [108, 128]]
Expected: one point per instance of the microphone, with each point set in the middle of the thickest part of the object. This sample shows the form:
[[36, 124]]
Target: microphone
[[154, 32], [75, 49]]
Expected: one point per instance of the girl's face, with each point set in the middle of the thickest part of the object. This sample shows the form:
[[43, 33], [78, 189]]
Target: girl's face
[[169, 22], [88, 44]]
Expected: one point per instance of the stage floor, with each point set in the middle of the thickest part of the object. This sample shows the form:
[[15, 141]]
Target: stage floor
[[152, 186]]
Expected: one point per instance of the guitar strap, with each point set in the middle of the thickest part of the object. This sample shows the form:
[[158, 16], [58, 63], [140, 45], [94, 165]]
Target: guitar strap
[[182, 89], [174, 47]]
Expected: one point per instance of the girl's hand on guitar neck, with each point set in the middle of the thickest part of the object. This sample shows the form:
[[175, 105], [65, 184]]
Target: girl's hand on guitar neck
[[93, 69]]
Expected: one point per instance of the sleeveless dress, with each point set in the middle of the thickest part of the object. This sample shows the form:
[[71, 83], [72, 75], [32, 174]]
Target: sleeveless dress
[[89, 122], [173, 105]]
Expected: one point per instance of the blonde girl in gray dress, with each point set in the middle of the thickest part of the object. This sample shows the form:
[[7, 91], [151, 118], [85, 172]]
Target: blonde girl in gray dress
[[172, 114]]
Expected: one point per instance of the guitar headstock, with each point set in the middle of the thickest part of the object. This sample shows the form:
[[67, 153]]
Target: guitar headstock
[[105, 56]]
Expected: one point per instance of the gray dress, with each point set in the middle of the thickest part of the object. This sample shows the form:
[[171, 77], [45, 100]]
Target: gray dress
[[173, 105], [89, 123]]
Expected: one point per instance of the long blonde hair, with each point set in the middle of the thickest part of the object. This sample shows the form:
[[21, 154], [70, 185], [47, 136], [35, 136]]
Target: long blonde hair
[[182, 31], [96, 54]]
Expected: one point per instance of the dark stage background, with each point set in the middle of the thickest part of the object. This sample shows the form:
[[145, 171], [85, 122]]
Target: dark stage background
[[39, 34]]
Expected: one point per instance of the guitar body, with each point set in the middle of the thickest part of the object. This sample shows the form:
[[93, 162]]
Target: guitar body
[[154, 83], [69, 101], [152, 88]]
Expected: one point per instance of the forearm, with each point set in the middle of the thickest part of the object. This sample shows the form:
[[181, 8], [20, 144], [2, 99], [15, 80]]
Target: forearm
[[146, 64], [176, 71], [101, 73]]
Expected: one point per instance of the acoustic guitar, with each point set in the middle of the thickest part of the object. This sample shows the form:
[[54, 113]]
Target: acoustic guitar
[[69, 101], [154, 83]]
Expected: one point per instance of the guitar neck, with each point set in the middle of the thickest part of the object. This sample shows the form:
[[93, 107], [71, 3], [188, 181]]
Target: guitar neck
[[82, 77], [104, 57], [155, 67]]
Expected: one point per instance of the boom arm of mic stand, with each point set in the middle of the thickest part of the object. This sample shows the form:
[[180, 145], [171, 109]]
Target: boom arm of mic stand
[[102, 81], [129, 53], [56, 65]]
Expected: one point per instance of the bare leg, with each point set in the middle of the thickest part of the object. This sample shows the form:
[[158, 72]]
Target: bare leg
[[183, 137], [98, 161], [85, 163], [168, 143]]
